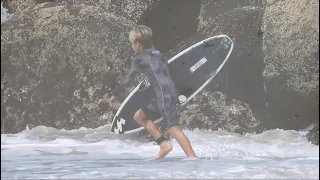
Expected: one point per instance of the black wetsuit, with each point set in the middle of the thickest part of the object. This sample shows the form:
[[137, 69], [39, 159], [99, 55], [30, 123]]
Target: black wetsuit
[[155, 67]]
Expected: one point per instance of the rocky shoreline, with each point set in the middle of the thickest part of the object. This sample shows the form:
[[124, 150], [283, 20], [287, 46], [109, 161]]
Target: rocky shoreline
[[61, 58]]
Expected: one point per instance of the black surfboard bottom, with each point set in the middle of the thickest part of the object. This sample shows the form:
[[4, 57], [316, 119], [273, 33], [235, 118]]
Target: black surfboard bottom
[[191, 71]]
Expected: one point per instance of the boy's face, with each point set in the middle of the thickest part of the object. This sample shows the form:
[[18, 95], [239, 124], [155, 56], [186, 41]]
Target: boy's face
[[137, 47]]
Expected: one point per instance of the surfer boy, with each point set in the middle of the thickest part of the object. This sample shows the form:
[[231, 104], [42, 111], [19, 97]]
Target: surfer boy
[[155, 67]]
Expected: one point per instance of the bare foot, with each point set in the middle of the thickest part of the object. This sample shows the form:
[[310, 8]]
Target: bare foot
[[193, 157], [165, 148]]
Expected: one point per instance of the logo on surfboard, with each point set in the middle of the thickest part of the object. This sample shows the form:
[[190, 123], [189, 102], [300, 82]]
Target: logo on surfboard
[[198, 64], [155, 52], [146, 83], [225, 42], [118, 128]]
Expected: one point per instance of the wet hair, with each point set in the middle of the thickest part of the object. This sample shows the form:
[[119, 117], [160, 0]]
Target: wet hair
[[143, 35]]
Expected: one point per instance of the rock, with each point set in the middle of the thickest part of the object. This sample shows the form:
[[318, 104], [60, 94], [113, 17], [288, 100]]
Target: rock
[[57, 64], [4, 13], [240, 81], [241, 77], [212, 10], [171, 22], [213, 111], [132, 10], [245, 77], [60, 60], [19, 5], [129, 9], [291, 56], [313, 134]]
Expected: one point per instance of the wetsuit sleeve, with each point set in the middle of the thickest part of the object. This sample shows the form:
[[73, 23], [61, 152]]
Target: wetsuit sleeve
[[164, 59], [135, 65]]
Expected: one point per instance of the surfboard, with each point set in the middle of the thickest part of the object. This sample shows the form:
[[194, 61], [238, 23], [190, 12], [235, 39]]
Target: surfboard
[[191, 70]]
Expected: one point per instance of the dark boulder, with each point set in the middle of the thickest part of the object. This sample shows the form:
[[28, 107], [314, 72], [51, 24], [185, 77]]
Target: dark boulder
[[313, 134], [129, 9], [58, 62], [239, 86], [291, 57]]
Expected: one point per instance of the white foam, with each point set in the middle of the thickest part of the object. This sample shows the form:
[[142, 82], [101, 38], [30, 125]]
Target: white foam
[[4, 13], [271, 154]]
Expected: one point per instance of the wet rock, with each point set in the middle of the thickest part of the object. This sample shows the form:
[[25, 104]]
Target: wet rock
[[171, 22], [212, 10], [313, 135], [241, 78], [19, 5], [212, 110], [58, 64], [129, 9], [240, 81], [291, 56], [59, 61], [284, 94]]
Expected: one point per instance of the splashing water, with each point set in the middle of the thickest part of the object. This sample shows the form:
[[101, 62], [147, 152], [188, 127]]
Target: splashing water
[[45, 152], [4, 13]]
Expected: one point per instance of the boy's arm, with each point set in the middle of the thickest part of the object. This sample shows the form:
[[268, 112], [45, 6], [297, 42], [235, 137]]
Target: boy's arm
[[124, 83], [164, 59]]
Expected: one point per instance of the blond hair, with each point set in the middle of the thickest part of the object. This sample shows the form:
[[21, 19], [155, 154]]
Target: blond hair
[[141, 34]]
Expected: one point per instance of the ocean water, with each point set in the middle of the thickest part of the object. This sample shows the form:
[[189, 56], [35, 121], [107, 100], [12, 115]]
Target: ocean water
[[48, 153]]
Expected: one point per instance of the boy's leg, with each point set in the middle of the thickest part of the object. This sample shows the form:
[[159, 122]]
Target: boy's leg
[[182, 139], [149, 110], [172, 116], [149, 125], [165, 146]]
